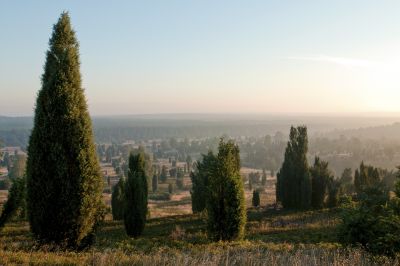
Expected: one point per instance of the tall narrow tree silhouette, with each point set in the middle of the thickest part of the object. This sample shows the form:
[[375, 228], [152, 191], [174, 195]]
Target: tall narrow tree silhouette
[[136, 192], [64, 184], [293, 188], [226, 203]]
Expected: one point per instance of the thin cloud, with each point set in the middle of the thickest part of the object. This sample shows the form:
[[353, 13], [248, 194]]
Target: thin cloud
[[342, 61]]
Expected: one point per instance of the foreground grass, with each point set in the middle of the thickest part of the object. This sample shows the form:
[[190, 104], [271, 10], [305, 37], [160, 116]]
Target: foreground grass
[[273, 238]]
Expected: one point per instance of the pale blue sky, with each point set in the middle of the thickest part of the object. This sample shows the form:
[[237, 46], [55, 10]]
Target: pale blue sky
[[211, 56]]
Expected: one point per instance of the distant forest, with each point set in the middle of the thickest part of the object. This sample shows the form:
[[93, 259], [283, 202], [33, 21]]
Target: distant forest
[[261, 140]]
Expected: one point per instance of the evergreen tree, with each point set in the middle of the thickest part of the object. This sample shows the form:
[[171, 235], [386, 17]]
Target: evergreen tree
[[346, 181], [256, 198], [154, 183], [118, 200], [163, 175], [293, 188], [333, 192], [321, 176], [226, 201], [64, 184], [365, 177], [199, 178], [17, 170], [264, 178], [16, 202], [136, 192]]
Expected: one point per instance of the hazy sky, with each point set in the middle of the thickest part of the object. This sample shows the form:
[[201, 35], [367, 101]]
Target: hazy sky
[[211, 56]]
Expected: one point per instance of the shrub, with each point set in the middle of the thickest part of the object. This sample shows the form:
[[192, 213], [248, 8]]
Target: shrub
[[135, 210], [118, 200], [225, 202], [373, 222], [256, 198], [16, 202]]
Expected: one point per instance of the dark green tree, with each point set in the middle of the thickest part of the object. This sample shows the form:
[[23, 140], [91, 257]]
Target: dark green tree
[[365, 177], [226, 202], [189, 163], [334, 187], [163, 175], [346, 181], [16, 202], [320, 178], [199, 177], [256, 198], [118, 200], [179, 179], [17, 170], [264, 178], [154, 183], [136, 193], [64, 184], [293, 188], [170, 188]]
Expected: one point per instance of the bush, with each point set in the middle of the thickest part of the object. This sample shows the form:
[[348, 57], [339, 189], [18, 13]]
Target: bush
[[118, 200], [256, 198], [225, 201], [373, 222], [136, 191], [160, 196], [16, 202]]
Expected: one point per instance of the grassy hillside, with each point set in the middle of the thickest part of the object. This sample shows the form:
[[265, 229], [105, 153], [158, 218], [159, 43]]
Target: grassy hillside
[[273, 238]]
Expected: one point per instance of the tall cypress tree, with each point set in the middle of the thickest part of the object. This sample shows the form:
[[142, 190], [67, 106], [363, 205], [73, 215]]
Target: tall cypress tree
[[293, 188], [154, 183], [321, 176], [226, 201], [64, 184], [199, 177], [118, 200], [136, 192]]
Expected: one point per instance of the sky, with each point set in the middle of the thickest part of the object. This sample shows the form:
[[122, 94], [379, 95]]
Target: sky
[[146, 57]]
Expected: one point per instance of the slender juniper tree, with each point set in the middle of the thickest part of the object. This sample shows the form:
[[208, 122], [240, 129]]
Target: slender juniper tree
[[320, 176], [118, 200], [293, 188], [200, 176], [154, 183], [136, 192], [64, 184], [225, 201], [256, 198]]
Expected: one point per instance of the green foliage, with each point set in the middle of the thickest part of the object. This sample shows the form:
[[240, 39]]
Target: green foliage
[[154, 183], [163, 174], [365, 177], [199, 178], [264, 178], [293, 188], [320, 177], [118, 200], [16, 202], [373, 222], [5, 184], [334, 189], [256, 198], [136, 193], [17, 169], [225, 201], [64, 184], [170, 188], [346, 180]]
